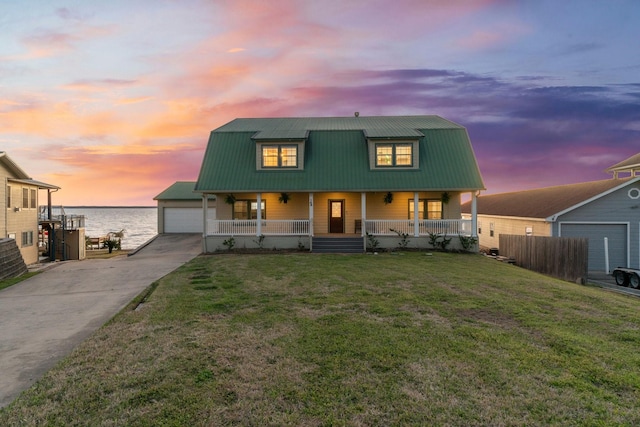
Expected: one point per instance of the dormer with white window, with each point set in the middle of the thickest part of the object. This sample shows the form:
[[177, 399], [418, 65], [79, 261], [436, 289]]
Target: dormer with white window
[[391, 149], [280, 150]]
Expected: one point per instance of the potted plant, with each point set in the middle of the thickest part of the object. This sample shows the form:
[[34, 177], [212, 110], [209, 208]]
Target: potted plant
[[388, 198], [230, 199], [284, 198]]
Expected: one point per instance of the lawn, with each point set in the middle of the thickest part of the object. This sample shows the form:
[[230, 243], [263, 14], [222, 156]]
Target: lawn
[[353, 340]]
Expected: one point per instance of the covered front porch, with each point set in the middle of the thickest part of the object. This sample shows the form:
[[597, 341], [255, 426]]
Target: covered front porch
[[291, 220]]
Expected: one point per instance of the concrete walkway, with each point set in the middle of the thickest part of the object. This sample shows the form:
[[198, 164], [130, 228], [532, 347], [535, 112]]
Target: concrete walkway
[[44, 317]]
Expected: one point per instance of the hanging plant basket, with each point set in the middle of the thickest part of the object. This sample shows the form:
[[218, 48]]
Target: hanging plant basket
[[284, 198], [445, 198], [388, 198], [230, 199]]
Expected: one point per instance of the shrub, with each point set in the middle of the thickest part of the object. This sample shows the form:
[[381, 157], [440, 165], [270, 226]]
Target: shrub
[[229, 243]]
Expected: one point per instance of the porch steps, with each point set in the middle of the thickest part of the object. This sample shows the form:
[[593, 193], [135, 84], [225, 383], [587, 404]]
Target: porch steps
[[342, 245]]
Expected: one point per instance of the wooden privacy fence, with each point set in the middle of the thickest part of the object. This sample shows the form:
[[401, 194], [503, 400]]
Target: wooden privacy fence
[[566, 258]]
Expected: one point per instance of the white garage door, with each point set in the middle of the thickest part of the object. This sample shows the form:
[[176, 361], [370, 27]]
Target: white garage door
[[185, 220]]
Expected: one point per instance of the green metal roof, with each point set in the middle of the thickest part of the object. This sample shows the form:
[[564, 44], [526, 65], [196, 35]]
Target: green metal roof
[[281, 134], [336, 157], [180, 190]]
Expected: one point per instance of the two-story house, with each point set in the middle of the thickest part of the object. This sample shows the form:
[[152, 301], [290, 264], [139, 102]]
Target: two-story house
[[19, 207], [288, 182]]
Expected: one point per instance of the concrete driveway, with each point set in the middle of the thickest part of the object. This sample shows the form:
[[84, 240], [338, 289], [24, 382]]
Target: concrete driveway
[[606, 281], [43, 318]]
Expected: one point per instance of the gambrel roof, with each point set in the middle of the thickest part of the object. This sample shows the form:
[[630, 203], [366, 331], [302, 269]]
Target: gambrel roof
[[336, 156], [545, 203]]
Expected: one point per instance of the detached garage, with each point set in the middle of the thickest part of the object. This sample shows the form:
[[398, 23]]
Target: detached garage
[[180, 209]]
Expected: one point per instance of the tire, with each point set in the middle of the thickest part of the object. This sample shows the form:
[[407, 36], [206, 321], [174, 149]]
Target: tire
[[621, 277], [634, 281]]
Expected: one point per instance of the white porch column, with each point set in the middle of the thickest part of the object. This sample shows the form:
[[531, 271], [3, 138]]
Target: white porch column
[[363, 213], [310, 214], [474, 214], [204, 214], [363, 225], [258, 215], [205, 205], [416, 214]]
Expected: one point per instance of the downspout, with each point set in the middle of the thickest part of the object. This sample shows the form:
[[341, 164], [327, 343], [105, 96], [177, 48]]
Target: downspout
[[474, 214]]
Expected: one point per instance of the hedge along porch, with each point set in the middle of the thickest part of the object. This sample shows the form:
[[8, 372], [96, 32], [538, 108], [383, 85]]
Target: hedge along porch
[[306, 177]]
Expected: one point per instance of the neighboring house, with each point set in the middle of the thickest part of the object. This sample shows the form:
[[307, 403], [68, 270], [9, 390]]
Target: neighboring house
[[597, 210], [180, 209], [337, 176], [19, 207]]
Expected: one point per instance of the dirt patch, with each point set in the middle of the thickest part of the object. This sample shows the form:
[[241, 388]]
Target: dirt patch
[[492, 317]]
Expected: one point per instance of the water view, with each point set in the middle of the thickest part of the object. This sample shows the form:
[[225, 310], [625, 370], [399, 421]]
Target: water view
[[139, 223]]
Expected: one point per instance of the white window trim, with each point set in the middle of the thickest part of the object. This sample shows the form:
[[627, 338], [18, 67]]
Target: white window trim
[[373, 143], [299, 153]]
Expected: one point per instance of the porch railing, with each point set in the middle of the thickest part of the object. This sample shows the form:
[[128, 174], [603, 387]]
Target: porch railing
[[298, 227], [249, 227], [425, 227]]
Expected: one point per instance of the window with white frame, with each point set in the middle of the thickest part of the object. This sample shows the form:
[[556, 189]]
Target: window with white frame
[[248, 209], [280, 156], [27, 238], [433, 209], [394, 155]]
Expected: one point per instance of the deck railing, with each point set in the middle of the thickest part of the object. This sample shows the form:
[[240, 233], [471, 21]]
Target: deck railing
[[425, 227], [249, 227], [70, 222]]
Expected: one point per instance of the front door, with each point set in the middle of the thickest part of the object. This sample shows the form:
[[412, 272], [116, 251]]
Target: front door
[[336, 216]]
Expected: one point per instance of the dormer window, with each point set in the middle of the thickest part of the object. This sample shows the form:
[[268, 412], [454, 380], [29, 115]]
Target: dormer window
[[280, 156], [394, 155]]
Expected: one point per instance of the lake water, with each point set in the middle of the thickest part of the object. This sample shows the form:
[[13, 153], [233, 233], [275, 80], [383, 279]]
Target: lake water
[[139, 224]]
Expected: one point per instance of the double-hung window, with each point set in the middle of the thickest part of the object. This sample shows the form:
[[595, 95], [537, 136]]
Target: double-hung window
[[280, 156], [25, 198], [394, 155], [27, 238], [248, 209], [433, 209], [34, 199]]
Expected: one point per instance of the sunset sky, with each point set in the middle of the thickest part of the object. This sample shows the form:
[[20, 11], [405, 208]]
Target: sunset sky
[[114, 100]]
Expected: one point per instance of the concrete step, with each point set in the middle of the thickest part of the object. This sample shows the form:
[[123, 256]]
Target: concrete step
[[338, 245]]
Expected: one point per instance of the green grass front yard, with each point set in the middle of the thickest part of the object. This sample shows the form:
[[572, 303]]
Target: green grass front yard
[[315, 340]]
